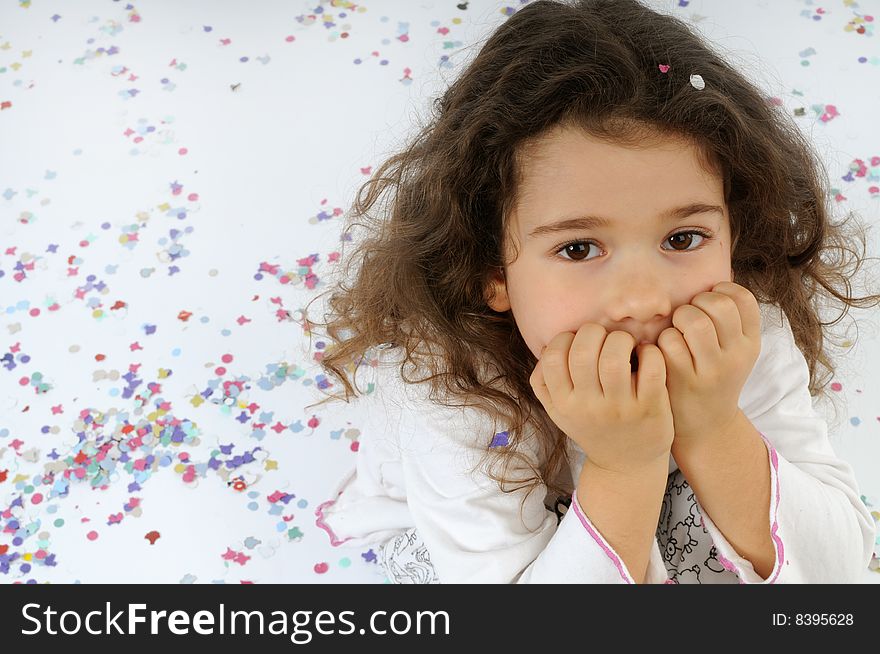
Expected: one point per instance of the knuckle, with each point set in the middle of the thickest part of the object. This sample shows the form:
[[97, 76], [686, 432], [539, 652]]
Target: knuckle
[[592, 329], [622, 336], [652, 372], [613, 366], [551, 355], [702, 324]]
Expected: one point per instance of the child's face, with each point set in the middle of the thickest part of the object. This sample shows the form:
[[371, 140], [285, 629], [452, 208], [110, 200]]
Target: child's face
[[632, 275]]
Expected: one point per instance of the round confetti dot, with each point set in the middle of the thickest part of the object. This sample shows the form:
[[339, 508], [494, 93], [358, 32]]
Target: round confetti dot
[[321, 568], [92, 535], [59, 522], [253, 506], [344, 562], [220, 370], [290, 39], [302, 504], [182, 151], [226, 358]]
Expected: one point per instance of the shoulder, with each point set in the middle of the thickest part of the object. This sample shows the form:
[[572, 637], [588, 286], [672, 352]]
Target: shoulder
[[778, 345], [781, 368], [428, 420]]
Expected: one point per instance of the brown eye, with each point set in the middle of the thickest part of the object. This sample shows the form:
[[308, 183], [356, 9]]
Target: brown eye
[[682, 240], [577, 251]]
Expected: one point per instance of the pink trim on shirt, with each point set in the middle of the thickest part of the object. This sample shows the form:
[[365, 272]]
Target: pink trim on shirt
[[774, 527], [335, 542], [605, 547], [727, 564]]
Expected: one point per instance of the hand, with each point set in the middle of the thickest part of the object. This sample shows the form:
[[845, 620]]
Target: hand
[[709, 354], [620, 419]]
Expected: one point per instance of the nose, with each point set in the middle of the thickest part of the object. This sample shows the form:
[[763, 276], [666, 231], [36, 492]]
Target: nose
[[638, 303]]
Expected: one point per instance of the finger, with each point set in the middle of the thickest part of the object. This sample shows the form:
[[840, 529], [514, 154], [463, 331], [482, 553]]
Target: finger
[[676, 355], [724, 312], [583, 358], [651, 377], [554, 366], [747, 304], [615, 372], [539, 386], [699, 333]]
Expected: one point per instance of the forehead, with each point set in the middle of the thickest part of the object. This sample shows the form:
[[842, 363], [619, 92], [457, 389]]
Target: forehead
[[568, 171]]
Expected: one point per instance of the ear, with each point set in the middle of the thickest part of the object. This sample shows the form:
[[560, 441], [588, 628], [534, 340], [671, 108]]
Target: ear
[[496, 292]]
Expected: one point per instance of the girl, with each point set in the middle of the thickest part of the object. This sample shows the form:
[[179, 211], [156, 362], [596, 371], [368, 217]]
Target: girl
[[591, 315]]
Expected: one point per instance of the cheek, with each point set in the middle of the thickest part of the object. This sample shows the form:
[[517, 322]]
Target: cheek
[[721, 268], [537, 314]]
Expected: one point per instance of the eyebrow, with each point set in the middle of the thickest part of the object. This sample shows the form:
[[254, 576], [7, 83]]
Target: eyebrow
[[592, 222]]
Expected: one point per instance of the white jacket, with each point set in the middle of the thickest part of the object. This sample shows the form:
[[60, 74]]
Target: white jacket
[[410, 491]]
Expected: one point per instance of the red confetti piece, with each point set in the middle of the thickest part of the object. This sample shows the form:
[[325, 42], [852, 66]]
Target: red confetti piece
[[153, 536]]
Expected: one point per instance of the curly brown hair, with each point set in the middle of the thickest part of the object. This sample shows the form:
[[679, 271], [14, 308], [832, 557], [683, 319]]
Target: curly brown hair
[[423, 271]]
